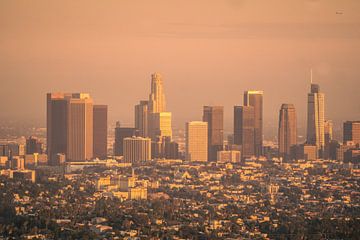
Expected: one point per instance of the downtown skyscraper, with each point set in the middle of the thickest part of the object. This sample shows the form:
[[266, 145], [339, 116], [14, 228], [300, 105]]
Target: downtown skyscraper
[[316, 119], [141, 118], [287, 130], [159, 121], [100, 131], [351, 132], [255, 99], [214, 116], [157, 96], [120, 134], [244, 130], [56, 124], [80, 128], [196, 145], [70, 126]]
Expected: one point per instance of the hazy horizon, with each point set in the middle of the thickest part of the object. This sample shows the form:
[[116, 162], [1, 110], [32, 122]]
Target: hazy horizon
[[208, 52]]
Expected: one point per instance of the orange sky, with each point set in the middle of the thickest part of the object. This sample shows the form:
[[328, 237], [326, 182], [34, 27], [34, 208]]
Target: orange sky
[[208, 52]]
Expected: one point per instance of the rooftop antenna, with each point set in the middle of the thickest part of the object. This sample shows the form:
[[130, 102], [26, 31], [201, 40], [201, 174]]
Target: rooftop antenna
[[311, 76]]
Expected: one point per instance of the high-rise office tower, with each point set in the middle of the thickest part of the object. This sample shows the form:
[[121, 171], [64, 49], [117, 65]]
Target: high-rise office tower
[[100, 131], [315, 119], [69, 126], [141, 118], [157, 96], [244, 129], [120, 134], [57, 124], [137, 149], [328, 136], [328, 131], [287, 130], [255, 99], [160, 123], [196, 141], [351, 132], [214, 116], [80, 128], [33, 145]]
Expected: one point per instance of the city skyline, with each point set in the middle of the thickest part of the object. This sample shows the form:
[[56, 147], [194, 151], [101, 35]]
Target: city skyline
[[231, 119], [229, 54]]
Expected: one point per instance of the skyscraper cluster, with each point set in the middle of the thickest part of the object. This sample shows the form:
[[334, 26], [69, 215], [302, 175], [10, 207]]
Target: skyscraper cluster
[[76, 127], [152, 121], [77, 130], [248, 124]]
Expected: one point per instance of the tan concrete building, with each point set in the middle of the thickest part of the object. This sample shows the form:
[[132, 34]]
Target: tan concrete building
[[160, 125], [80, 128], [196, 141]]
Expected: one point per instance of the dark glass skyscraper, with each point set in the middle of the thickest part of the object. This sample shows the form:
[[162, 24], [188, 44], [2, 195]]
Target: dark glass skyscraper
[[214, 116], [33, 145], [120, 134], [57, 124], [100, 131], [244, 129], [255, 99], [352, 131], [287, 130]]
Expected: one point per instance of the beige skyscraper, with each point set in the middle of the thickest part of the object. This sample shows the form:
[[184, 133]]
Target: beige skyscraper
[[196, 141], [80, 128], [287, 130], [159, 121], [137, 149], [157, 96], [141, 118], [316, 119], [255, 99], [161, 125]]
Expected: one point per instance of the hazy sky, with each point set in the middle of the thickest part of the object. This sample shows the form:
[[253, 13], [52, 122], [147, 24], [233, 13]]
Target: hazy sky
[[208, 52]]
